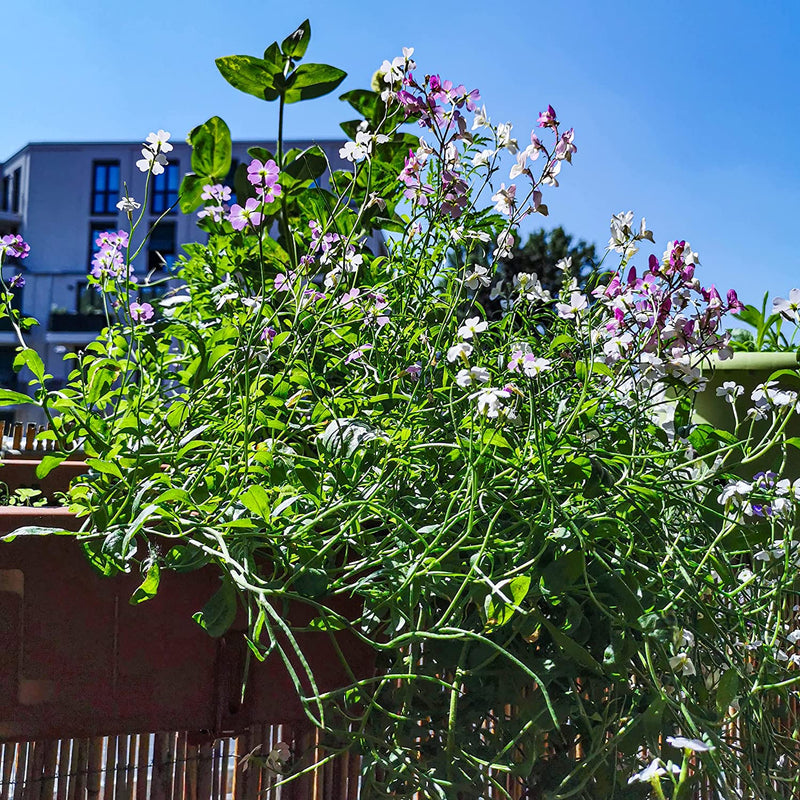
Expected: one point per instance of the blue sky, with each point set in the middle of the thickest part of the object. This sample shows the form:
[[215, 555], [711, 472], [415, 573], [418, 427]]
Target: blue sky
[[685, 112]]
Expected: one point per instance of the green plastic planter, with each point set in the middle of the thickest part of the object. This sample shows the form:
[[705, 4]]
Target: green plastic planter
[[749, 370]]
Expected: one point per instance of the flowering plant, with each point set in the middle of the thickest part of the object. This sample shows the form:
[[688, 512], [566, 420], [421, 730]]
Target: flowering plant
[[769, 328], [556, 567]]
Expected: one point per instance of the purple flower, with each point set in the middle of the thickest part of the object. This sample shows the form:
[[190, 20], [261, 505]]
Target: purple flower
[[413, 371], [241, 217], [141, 312], [268, 334], [17, 282], [547, 119], [358, 353], [14, 246], [264, 175]]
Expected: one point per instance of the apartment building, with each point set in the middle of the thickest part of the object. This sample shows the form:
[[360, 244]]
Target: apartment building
[[59, 197]]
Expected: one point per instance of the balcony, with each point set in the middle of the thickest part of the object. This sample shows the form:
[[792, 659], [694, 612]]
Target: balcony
[[72, 322]]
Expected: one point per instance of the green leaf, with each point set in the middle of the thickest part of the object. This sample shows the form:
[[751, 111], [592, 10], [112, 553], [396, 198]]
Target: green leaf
[[308, 166], [342, 437], [219, 612], [149, 586], [571, 649], [363, 101], [312, 80], [308, 479], [311, 582], [34, 530], [727, 689], [256, 500], [9, 398], [190, 191], [250, 75], [47, 464], [295, 44], [211, 149], [106, 467], [30, 358]]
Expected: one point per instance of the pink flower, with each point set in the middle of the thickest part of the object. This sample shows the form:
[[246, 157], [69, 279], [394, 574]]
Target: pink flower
[[141, 312], [358, 353], [13, 246], [547, 119], [264, 175], [242, 217]]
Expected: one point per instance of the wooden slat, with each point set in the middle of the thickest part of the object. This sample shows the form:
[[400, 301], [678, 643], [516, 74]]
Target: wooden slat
[[205, 771], [92, 774], [47, 787], [64, 754], [142, 766], [20, 770], [6, 761], [224, 772]]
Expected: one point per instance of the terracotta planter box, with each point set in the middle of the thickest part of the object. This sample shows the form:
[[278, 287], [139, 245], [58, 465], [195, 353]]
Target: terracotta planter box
[[20, 473], [76, 659], [749, 370]]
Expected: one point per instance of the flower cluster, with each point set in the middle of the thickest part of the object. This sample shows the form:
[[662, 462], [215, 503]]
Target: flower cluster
[[216, 197], [154, 157], [13, 246], [109, 260]]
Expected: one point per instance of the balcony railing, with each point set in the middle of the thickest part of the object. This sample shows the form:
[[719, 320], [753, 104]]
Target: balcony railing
[[61, 321]]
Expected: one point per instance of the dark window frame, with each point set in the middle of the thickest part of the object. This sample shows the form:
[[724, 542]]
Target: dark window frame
[[163, 197], [95, 229], [154, 263], [85, 289], [16, 189], [5, 193], [110, 197]]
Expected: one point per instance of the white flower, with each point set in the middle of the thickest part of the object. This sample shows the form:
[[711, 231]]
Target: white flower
[[482, 158], [467, 378], [564, 264], [504, 138], [505, 245], [788, 308], [472, 326], [577, 302], [530, 287], [533, 366], [151, 162], [462, 350], [489, 402], [682, 662], [353, 151], [478, 277], [520, 166], [730, 390], [733, 491], [481, 119], [504, 199], [654, 770], [128, 205], [695, 745], [158, 142]]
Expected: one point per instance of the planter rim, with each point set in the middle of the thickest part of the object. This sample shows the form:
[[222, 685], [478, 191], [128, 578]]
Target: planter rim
[[763, 361]]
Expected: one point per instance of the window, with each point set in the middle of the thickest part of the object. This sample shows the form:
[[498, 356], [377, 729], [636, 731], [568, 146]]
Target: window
[[162, 241], [8, 378], [5, 200], [165, 189], [155, 290], [87, 299], [16, 183], [95, 229], [105, 187]]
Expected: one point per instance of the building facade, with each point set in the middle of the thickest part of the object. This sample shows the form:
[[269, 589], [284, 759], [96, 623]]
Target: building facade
[[59, 197]]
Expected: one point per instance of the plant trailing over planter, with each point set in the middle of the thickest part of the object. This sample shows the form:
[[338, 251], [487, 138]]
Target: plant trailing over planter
[[557, 568]]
